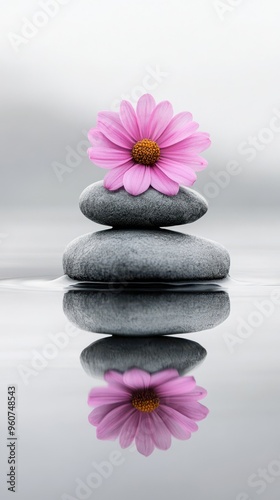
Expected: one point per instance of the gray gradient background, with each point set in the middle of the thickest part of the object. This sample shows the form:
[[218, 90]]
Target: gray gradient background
[[227, 73], [224, 69]]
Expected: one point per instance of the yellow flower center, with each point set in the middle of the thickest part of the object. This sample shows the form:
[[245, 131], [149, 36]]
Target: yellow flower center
[[146, 152], [145, 400]]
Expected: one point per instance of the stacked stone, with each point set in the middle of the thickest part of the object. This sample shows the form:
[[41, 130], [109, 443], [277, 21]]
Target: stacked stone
[[136, 248]]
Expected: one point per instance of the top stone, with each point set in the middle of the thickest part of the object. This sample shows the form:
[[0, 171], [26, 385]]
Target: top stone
[[150, 209]]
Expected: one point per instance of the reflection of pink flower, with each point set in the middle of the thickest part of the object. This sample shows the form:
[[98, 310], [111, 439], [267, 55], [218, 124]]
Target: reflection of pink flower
[[147, 408], [148, 147]]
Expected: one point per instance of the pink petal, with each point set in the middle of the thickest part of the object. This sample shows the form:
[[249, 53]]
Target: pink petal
[[180, 127], [197, 164], [137, 179], [163, 376], [110, 125], [108, 395], [177, 172], [162, 183], [188, 159], [173, 426], [197, 142], [129, 120], [97, 139], [136, 378], [111, 425], [145, 106], [129, 429], [159, 432], [143, 439], [159, 120], [97, 415], [108, 158], [178, 386], [114, 179]]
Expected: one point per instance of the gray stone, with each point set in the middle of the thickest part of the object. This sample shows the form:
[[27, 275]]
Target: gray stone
[[150, 354], [145, 313], [150, 209], [144, 255]]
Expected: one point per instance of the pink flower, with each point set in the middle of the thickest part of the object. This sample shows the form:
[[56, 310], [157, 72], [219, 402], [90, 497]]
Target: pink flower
[[146, 408], [149, 147]]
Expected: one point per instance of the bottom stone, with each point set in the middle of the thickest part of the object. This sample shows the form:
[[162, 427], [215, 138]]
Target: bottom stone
[[144, 255]]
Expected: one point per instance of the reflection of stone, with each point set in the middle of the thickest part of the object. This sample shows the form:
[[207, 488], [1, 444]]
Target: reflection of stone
[[146, 313], [150, 354], [144, 255]]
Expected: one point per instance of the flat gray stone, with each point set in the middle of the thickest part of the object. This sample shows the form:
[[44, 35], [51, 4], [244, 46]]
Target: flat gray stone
[[150, 209], [145, 313], [144, 255], [149, 354]]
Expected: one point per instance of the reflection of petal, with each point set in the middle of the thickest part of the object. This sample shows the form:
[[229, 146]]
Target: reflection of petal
[[136, 379], [112, 423], [114, 377], [194, 395], [129, 429], [181, 419], [160, 433], [97, 415], [195, 411], [107, 395], [198, 393], [173, 426], [147, 408], [163, 376], [178, 386], [143, 439]]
